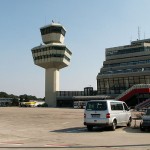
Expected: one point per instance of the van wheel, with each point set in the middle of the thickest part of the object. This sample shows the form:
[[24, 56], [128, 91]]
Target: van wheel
[[89, 128], [114, 124], [129, 122]]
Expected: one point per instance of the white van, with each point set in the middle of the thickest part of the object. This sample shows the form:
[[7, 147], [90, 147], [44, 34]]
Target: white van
[[104, 113]]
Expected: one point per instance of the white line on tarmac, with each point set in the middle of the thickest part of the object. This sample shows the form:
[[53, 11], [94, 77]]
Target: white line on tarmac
[[57, 145], [11, 143], [65, 122]]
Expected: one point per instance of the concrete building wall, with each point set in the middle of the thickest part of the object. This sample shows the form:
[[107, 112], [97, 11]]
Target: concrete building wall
[[51, 86]]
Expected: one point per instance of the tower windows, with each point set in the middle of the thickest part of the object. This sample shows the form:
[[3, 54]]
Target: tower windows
[[53, 29], [51, 55], [51, 48]]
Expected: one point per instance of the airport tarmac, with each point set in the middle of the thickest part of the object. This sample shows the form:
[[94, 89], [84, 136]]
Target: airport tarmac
[[60, 128]]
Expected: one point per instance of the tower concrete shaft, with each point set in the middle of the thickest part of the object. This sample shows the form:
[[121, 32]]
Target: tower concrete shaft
[[51, 86]]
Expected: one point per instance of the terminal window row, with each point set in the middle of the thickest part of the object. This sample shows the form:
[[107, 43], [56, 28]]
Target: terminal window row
[[50, 56], [53, 29], [126, 51], [117, 85], [128, 63], [122, 81], [125, 71], [70, 93], [116, 82]]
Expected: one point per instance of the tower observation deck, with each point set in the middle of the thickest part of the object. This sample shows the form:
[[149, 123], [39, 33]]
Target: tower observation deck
[[53, 55]]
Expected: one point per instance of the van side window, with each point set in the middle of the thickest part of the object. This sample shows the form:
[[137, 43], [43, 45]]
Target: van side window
[[116, 106], [125, 107], [96, 106]]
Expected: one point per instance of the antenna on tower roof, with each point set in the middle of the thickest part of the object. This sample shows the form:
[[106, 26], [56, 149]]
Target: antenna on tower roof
[[45, 20], [144, 35], [138, 33], [131, 39]]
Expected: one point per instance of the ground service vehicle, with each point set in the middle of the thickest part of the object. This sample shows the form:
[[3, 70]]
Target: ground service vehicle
[[105, 113], [145, 123], [79, 104]]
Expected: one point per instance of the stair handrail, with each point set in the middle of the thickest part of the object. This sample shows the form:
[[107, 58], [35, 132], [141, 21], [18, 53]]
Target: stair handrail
[[136, 86], [142, 104]]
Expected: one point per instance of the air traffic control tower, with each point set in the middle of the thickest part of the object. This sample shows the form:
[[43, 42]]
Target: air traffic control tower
[[53, 55]]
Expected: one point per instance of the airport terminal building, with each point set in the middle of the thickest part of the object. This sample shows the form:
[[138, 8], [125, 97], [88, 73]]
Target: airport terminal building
[[125, 76], [124, 67]]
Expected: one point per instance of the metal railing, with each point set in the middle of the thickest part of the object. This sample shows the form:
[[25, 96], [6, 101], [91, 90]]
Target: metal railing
[[144, 104], [136, 86]]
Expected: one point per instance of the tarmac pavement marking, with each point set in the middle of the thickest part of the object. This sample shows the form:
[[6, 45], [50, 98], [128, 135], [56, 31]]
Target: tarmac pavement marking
[[11, 143], [65, 122], [58, 145]]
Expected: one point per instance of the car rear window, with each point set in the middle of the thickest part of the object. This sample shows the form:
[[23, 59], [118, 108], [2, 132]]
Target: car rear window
[[98, 106]]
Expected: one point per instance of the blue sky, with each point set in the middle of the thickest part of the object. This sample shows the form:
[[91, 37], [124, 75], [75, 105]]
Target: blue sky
[[92, 26]]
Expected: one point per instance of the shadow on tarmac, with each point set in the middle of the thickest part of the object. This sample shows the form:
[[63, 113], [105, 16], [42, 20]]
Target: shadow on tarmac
[[100, 129], [135, 130], [83, 130], [71, 130]]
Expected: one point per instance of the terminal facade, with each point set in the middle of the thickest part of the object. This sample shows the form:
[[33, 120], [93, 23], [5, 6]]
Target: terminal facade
[[124, 67]]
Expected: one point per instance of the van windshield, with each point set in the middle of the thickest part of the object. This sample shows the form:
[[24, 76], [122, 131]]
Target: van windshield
[[96, 106]]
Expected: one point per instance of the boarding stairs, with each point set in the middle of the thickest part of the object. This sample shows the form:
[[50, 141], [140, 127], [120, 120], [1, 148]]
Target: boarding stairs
[[135, 89]]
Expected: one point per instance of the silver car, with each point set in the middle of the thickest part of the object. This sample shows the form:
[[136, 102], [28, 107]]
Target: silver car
[[145, 123]]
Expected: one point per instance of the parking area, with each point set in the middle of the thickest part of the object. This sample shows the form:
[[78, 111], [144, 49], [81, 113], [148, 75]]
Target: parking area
[[54, 128]]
